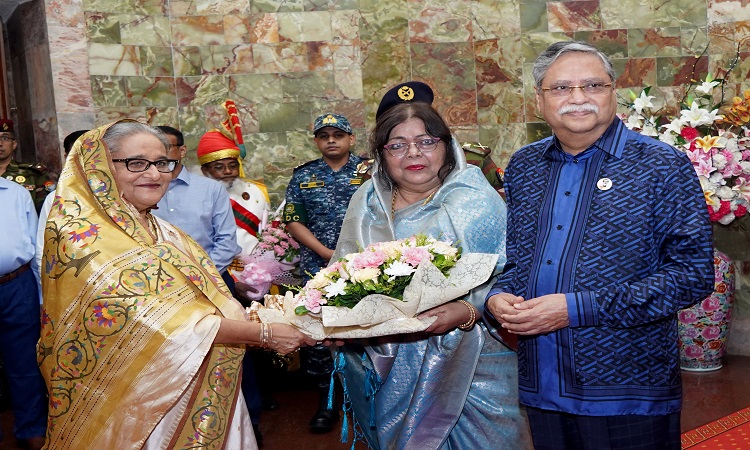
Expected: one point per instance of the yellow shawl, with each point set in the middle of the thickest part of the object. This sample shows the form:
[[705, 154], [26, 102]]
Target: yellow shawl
[[128, 320]]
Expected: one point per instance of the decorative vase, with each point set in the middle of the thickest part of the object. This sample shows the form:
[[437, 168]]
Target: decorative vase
[[703, 327]]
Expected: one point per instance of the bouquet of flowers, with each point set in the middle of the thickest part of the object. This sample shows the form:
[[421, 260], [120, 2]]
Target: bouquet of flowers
[[272, 261], [381, 290], [382, 268], [717, 144]]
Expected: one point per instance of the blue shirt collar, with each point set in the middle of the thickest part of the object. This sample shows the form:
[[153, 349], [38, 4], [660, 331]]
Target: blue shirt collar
[[612, 141]]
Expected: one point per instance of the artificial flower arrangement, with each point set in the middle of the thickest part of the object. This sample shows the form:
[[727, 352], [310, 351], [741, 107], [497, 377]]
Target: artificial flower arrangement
[[381, 289], [718, 145], [273, 261]]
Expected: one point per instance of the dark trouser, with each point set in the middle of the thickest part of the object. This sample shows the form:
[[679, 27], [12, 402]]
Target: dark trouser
[[20, 326], [250, 389], [552, 430], [317, 362]]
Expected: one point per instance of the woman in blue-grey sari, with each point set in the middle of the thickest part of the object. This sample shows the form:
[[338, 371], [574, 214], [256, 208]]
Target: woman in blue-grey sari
[[453, 386]]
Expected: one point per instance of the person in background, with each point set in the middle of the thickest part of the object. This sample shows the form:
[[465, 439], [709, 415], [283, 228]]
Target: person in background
[[452, 386], [19, 315], [199, 206], [33, 177], [219, 157], [142, 342], [316, 200], [608, 237]]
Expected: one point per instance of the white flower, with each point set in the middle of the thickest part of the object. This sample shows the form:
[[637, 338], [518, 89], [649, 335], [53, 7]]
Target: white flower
[[706, 87], [667, 138], [335, 289], [399, 269], [675, 126], [649, 130], [634, 122], [319, 280], [725, 192], [719, 160], [644, 101], [697, 116], [443, 248]]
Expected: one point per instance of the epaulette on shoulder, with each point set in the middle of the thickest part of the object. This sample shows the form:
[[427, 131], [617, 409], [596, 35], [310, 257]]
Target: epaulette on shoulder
[[41, 168], [304, 165], [476, 148]]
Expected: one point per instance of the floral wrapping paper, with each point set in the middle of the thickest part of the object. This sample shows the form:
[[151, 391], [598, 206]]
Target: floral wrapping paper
[[379, 315]]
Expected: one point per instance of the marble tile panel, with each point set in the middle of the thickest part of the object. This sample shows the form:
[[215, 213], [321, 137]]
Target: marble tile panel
[[573, 15], [280, 6], [69, 65], [307, 86], [384, 64], [440, 21], [449, 68], [535, 43], [103, 28], [304, 27], [256, 88], [280, 117], [671, 13], [627, 14], [384, 20], [193, 91], [727, 11], [346, 57], [150, 91], [348, 84], [108, 91], [114, 59], [637, 72], [198, 30], [223, 7], [651, 42], [533, 16], [70, 122], [492, 19], [330, 5], [500, 103], [320, 55], [504, 140], [280, 58], [229, 59], [741, 71], [144, 30], [345, 26], [612, 42], [146, 7], [156, 61], [263, 28], [694, 40], [150, 114], [191, 121], [64, 13], [237, 29], [499, 81], [679, 71], [187, 61]]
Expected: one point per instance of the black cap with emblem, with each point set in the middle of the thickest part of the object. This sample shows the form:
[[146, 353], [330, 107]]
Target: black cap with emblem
[[411, 91]]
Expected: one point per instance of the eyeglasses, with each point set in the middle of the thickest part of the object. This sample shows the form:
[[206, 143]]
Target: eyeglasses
[[399, 149], [222, 167], [588, 88], [6, 139], [141, 165]]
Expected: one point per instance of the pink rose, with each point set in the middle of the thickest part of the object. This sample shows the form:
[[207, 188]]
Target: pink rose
[[687, 316], [367, 259], [711, 332], [313, 300], [693, 351], [710, 304]]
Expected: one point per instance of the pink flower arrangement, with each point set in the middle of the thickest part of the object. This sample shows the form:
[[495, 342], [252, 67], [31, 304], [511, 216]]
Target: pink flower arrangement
[[718, 145], [383, 268]]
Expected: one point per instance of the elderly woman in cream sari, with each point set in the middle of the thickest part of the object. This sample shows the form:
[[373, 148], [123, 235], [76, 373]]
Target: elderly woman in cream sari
[[142, 342]]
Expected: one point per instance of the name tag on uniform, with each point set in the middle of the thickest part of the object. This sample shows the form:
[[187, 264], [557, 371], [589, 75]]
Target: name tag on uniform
[[355, 181], [313, 182]]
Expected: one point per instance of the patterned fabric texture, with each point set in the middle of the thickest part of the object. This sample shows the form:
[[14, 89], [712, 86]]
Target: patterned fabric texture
[[455, 390], [129, 320]]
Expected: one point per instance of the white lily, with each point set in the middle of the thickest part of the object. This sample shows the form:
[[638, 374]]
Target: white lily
[[643, 101]]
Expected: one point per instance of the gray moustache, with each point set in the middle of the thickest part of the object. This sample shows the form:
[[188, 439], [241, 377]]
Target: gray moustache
[[578, 108]]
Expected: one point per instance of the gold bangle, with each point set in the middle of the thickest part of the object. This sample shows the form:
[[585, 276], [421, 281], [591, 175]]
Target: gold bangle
[[264, 335], [466, 326]]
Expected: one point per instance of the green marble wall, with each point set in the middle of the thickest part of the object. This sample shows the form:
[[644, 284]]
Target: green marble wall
[[286, 61]]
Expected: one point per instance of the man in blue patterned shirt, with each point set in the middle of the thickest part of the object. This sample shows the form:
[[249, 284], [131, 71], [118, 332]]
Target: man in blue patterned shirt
[[316, 201], [608, 237]]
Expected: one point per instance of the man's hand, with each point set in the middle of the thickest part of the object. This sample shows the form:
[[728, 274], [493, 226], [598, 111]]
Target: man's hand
[[539, 315], [500, 304]]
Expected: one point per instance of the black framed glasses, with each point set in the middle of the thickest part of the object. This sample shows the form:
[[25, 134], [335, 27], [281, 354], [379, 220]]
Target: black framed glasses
[[563, 90], [399, 149], [141, 165], [221, 167], [5, 138]]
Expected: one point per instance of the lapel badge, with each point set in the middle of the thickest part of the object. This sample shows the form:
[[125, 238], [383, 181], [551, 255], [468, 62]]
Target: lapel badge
[[604, 184], [312, 183]]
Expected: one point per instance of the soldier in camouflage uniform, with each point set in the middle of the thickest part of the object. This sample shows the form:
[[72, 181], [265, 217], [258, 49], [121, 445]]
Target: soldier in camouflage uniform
[[33, 177], [316, 201], [476, 153]]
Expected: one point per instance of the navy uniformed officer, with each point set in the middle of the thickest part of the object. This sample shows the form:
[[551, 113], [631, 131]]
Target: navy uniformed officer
[[316, 201], [33, 177]]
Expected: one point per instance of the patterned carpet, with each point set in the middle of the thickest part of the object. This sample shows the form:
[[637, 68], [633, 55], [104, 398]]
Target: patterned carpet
[[729, 432]]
